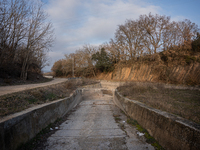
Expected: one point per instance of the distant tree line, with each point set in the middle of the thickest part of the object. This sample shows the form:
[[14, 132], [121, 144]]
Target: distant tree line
[[134, 40], [25, 37]]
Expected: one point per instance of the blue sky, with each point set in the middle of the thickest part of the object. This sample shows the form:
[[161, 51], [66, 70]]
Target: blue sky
[[79, 22]]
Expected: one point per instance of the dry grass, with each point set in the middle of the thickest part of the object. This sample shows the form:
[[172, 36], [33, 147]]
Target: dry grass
[[181, 102], [19, 101], [13, 81]]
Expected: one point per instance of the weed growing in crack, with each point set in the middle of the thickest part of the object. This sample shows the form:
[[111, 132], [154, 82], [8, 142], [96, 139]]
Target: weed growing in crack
[[122, 126], [117, 119], [122, 112], [149, 138]]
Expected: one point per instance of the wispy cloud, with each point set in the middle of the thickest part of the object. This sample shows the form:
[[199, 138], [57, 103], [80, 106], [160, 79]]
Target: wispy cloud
[[90, 21], [178, 18]]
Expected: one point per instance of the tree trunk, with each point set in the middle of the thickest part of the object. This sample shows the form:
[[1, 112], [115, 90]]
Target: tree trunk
[[25, 66], [93, 72]]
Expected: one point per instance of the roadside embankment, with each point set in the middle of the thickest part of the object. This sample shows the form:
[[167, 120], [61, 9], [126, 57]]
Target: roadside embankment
[[17, 88], [20, 127], [177, 74], [19, 101], [172, 132]]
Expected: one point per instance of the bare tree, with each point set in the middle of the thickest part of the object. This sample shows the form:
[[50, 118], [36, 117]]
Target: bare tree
[[113, 50], [57, 68], [12, 30], [118, 49], [38, 35], [84, 58], [187, 32], [149, 34], [154, 27], [130, 37], [25, 34], [80, 63]]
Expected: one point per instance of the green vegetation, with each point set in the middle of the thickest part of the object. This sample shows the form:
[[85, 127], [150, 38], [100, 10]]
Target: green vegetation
[[117, 119], [149, 139], [190, 59], [50, 96], [196, 44], [31, 100], [103, 62]]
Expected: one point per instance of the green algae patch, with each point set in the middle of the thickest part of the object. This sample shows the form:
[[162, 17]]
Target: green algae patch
[[149, 138]]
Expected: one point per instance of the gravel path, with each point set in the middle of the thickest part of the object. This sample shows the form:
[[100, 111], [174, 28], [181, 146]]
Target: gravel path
[[16, 88]]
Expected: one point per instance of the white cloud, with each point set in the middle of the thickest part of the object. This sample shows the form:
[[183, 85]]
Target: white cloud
[[78, 22], [178, 18], [56, 55], [62, 9]]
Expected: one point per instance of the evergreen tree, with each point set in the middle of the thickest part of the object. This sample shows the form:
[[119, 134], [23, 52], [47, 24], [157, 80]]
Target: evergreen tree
[[103, 62]]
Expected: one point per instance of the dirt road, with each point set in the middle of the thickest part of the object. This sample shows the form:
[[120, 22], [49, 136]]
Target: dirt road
[[16, 88], [93, 126]]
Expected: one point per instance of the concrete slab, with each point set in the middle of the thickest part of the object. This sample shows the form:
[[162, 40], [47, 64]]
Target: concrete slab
[[92, 126], [78, 124]]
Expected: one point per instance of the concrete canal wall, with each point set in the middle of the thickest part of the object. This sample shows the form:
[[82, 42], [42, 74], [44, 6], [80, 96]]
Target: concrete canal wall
[[20, 127], [172, 132]]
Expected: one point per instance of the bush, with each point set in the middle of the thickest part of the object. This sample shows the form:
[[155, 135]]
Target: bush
[[103, 62], [189, 59], [196, 44]]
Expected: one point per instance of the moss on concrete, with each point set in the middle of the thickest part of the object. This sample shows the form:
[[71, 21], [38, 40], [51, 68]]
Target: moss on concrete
[[149, 139]]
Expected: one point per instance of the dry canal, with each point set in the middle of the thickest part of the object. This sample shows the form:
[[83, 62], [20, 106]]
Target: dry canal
[[96, 124]]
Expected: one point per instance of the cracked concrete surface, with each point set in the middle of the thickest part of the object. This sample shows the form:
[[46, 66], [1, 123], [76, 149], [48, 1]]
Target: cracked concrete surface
[[92, 126]]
